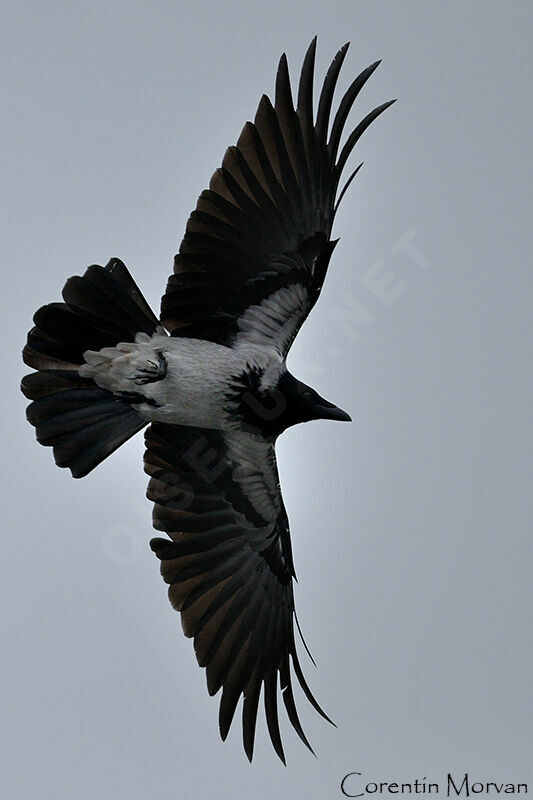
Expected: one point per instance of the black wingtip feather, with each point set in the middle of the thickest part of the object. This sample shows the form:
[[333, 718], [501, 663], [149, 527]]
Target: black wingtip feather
[[290, 707], [303, 640], [326, 95], [271, 711], [283, 93], [345, 107], [305, 88], [356, 135], [346, 186]]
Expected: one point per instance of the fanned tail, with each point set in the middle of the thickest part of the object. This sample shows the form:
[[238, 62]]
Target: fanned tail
[[81, 421]]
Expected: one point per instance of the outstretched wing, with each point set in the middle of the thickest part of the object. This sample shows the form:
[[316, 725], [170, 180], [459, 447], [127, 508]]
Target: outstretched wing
[[229, 565], [256, 249]]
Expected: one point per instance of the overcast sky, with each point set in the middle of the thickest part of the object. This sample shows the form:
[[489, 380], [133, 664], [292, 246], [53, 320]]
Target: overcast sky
[[411, 527]]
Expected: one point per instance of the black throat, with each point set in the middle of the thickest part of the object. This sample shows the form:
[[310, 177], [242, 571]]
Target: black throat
[[271, 411]]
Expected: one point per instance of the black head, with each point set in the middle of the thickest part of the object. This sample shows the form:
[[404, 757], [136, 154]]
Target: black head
[[273, 410]]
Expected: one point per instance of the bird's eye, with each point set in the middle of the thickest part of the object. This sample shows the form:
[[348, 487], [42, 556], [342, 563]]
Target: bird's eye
[[307, 395]]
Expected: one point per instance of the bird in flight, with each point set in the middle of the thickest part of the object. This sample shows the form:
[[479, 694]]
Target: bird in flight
[[209, 378]]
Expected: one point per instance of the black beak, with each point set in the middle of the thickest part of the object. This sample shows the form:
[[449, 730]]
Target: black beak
[[331, 412]]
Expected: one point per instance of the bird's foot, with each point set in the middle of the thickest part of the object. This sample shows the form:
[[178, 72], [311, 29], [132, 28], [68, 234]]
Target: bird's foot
[[151, 372]]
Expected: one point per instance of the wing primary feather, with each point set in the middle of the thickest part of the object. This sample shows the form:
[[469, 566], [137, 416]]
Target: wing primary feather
[[305, 87], [345, 106], [230, 695], [260, 640], [292, 131], [274, 186], [290, 705], [306, 690], [345, 187], [247, 603], [260, 649], [249, 712], [355, 136], [243, 666], [303, 640], [326, 96], [278, 644], [271, 711], [305, 117], [305, 99], [283, 95], [285, 165]]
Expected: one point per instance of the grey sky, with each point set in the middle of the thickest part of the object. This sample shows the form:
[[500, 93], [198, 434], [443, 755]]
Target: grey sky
[[411, 527]]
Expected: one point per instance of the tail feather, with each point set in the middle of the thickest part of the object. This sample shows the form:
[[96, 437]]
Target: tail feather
[[102, 308], [85, 296], [81, 421], [65, 325]]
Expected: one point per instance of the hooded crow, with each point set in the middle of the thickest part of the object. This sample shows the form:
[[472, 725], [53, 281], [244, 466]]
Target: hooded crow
[[209, 378]]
